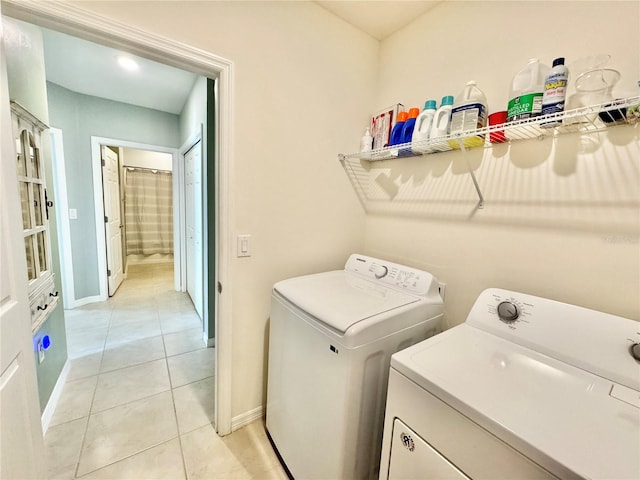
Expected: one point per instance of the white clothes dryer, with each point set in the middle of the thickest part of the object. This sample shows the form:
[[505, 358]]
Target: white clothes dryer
[[526, 388], [331, 338]]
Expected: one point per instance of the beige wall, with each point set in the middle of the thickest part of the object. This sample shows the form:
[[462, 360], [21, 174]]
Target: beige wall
[[303, 85], [561, 219]]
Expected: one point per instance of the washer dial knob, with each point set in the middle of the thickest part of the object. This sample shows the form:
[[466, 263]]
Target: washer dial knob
[[635, 351], [508, 312], [381, 271]]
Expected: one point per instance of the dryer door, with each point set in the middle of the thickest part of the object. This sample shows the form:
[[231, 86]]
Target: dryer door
[[413, 458]]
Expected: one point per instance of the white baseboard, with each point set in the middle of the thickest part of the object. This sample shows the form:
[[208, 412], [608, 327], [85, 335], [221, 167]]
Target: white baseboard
[[246, 418], [47, 414]]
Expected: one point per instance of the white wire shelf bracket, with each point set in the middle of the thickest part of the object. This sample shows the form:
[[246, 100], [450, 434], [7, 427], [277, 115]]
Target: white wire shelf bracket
[[588, 119]]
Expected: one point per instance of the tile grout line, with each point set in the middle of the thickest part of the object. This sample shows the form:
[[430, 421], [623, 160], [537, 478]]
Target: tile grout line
[[112, 308], [175, 414], [86, 427]]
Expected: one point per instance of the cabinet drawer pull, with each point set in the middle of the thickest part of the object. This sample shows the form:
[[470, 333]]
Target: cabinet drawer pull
[[40, 307], [53, 294]]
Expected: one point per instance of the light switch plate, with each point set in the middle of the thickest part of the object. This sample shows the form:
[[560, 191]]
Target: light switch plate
[[244, 246]]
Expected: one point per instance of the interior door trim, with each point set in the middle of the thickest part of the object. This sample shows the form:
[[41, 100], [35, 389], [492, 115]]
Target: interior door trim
[[74, 20]]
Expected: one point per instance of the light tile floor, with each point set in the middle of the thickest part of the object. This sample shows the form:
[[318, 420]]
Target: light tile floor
[[138, 401]]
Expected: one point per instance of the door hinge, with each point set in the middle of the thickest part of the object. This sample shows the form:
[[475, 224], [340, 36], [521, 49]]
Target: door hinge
[[108, 272], [219, 287], [106, 219], [104, 164]]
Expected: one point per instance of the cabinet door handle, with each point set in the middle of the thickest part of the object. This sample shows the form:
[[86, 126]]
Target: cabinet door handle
[[40, 307], [47, 203], [53, 294]]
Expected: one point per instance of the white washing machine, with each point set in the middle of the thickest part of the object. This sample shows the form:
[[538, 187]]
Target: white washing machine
[[331, 338], [526, 388]]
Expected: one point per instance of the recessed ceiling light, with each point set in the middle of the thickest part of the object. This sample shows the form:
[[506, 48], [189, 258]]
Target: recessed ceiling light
[[127, 63]]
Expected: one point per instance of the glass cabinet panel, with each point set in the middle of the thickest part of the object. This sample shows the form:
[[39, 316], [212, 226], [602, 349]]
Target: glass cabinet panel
[[38, 204], [31, 261], [22, 164], [25, 204], [42, 252]]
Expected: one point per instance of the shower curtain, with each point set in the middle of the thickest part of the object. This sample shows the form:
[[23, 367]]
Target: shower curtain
[[148, 211]]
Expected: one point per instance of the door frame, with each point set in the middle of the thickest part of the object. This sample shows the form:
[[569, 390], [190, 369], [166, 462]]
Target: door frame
[[64, 228], [74, 20], [98, 200]]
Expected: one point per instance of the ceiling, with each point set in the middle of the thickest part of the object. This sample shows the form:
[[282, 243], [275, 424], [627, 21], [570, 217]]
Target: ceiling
[[92, 69], [378, 18]]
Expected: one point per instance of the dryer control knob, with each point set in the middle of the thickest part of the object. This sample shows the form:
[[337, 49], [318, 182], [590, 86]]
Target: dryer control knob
[[381, 271], [508, 312], [635, 351]]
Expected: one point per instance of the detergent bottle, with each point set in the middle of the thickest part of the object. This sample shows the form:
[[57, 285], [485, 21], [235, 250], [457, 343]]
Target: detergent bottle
[[396, 133], [469, 113], [409, 125], [422, 130], [440, 127]]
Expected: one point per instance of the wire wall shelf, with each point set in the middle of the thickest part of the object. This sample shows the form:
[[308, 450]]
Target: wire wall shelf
[[588, 119]]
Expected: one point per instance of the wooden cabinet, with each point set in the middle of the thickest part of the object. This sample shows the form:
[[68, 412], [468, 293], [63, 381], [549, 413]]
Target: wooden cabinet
[[28, 132]]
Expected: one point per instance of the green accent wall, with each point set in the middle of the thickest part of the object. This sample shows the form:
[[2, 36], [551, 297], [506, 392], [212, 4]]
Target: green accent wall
[[80, 117], [27, 86]]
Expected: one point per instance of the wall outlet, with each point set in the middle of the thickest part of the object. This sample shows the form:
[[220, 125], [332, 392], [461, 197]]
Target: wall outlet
[[73, 214]]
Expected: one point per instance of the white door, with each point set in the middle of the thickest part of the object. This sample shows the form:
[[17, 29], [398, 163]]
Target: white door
[[193, 225], [112, 217], [21, 444]]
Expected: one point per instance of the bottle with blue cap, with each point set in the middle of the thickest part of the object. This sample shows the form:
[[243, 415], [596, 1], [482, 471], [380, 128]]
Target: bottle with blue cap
[[424, 122], [442, 118], [398, 128]]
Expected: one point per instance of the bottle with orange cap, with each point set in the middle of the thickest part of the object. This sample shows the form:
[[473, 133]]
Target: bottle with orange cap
[[398, 128], [409, 125]]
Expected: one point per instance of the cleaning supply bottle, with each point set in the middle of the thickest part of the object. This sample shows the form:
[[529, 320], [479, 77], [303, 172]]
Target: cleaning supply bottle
[[527, 88], [422, 130], [409, 125], [555, 91], [366, 143], [440, 126], [396, 133], [469, 113]]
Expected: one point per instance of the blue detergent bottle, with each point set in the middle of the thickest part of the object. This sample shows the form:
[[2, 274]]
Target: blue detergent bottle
[[396, 133], [409, 125]]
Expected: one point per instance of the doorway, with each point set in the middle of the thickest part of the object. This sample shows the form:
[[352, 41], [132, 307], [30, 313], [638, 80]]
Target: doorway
[[101, 204], [73, 20]]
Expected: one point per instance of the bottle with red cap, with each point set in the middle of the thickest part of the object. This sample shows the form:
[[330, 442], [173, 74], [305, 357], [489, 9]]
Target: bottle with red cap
[[396, 133]]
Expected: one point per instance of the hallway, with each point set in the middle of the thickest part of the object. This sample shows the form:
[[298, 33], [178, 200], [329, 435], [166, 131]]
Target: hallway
[[138, 400]]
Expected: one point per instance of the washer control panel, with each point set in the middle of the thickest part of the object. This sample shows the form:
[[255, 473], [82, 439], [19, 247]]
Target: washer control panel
[[508, 311], [389, 273], [511, 310], [598, 342]]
